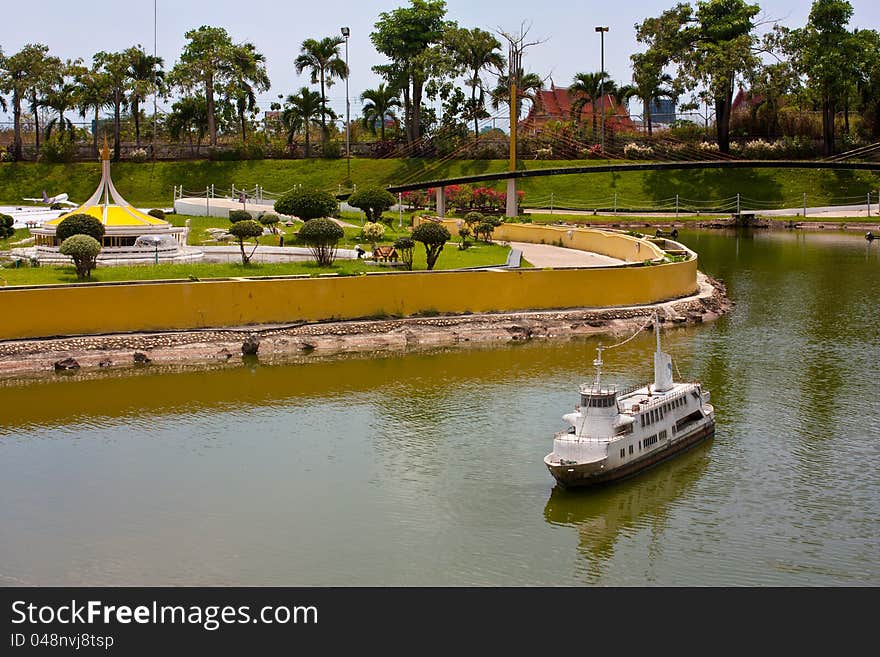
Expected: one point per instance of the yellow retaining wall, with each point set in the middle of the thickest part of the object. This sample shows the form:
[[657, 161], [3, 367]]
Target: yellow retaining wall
[[615, 245], [43, 311]]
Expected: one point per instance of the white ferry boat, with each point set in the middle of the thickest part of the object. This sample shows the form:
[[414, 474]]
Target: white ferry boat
[[617, 433]]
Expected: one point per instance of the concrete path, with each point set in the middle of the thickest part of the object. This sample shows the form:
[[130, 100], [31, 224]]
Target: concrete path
[[267, 254], [546, 255]]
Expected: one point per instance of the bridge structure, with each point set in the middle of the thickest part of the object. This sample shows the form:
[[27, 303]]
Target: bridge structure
[[440, 185]]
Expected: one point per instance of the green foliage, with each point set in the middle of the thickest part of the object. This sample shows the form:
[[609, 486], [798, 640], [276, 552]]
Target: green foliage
[[58, 149], [270, 220], [236, 216], [373, 201], [156, 212], [322, 236], [80, 224], [404, 247], [6, 229], [473, 219], [484, 230], [373, 232], [307, 204], [434, 236], [464, 232], [84, 250], [245, 229]]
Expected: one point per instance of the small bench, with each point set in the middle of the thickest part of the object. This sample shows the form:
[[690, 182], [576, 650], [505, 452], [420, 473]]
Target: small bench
[[385, 254]]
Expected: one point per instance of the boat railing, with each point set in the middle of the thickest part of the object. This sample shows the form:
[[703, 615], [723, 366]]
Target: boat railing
[[581, 438]]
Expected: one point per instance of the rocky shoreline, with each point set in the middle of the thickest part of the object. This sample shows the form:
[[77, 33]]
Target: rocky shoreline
[[276, 342]]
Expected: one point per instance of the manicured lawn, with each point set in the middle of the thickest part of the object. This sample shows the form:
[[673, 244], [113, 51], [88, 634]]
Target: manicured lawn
[[20, 234], [451, 258], [151, 185]]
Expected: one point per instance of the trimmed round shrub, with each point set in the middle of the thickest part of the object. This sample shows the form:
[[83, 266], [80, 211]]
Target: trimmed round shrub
[[322, 236], [373, 232], [84, 250], [6, 223], [484, 230], [307, 204], [80, 224], [156, 212], [269, 219], [239, 215], [244, 230], [373, 201], [473, 218], [404, 247], [433, 236]]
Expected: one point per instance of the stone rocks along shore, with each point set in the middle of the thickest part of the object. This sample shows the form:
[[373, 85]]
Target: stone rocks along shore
[[275, 342]]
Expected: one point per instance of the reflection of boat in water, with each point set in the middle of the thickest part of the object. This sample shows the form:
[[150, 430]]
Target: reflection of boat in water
[[604, 516], [615, 434]]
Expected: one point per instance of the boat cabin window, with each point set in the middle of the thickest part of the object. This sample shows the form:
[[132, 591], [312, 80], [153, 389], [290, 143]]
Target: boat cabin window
[[663, 435], [598, 401]]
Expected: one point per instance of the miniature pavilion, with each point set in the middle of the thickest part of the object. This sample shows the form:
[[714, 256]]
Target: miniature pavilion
[[123, 225]]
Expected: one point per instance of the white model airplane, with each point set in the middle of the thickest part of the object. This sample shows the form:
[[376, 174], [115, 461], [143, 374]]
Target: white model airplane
[[50, 200]]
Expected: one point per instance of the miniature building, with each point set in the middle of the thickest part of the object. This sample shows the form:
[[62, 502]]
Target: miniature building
[[123, 225]]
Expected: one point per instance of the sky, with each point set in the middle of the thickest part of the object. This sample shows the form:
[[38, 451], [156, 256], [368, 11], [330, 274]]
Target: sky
[[570, 43]]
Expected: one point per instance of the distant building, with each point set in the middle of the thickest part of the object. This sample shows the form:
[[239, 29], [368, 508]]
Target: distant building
[[663, 111], [554, 104]]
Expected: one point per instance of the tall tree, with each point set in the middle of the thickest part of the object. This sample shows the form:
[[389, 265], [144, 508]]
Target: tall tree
[[189, 115], [409, 36], [589, 88], [322, 60], [378, 104], [713, 46], [247, 77], [114, 65], [650, 83], [146, 76], [825, 51], [475, 51], [301, 112], [528, 86], [204, 60], [61, 95], [25, 76], [93, 96]]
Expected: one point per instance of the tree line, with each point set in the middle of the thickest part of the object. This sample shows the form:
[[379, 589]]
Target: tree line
[[697, 52]]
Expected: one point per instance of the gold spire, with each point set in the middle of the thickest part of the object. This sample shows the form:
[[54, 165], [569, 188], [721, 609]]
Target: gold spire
[[105, 152]]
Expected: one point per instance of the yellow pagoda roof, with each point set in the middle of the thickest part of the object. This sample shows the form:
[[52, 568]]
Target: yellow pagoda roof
[[119, 212]]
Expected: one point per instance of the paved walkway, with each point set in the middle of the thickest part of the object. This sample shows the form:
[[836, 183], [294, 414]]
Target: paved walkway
[[546, 255]]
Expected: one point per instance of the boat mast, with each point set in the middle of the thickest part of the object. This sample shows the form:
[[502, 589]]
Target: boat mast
[[657, 328], [598, 364]]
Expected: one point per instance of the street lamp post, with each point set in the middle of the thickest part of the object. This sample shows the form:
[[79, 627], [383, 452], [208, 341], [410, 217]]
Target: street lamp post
[[345, 33], [602, 30]]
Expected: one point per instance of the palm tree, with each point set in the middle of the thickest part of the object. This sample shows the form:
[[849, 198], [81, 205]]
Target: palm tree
[[379, 103], [301, 113], [145, 76], [187, 115], [649, 84], [476, 50], [323, 61], [247, 77], [527, 87], [115, 66], [93, 95], [588, 88], [61, 97]]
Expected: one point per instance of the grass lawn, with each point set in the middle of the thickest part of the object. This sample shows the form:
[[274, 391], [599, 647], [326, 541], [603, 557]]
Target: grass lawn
[[150, 185], [20, 234], [451, 258]]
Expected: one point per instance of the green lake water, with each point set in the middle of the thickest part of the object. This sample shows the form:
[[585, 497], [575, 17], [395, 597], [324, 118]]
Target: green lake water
[[427, 468]]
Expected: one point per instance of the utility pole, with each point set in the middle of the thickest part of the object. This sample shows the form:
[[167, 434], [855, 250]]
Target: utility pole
[[345, 33], [155, 79], [513, 78], [602, 30]]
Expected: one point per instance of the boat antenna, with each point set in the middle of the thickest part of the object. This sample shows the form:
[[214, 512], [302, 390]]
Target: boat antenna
[[598, 364], [657, 327]]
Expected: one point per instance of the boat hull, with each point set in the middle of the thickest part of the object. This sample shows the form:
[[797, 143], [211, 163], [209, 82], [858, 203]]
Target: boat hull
[[594, 474]]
